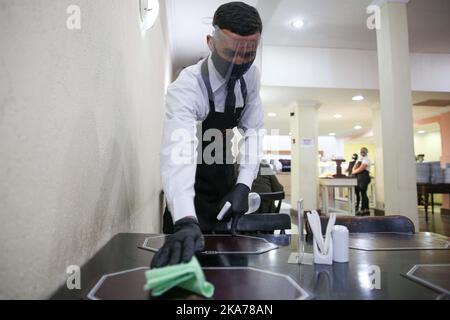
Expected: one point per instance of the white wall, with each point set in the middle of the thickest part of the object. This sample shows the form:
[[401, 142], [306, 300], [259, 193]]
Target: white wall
[[80, 128], [344, 68], [430, 72], [276, 143], [317, 67], [331, 147]]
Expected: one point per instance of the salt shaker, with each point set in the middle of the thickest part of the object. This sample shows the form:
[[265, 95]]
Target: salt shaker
[[340, 244]]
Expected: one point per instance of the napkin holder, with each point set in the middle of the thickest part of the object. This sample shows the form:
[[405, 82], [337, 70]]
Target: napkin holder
[[321, 258], [323, 251]]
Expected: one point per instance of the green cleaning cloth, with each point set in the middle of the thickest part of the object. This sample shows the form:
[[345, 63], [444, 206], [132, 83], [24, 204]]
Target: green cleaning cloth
[[188, 276]]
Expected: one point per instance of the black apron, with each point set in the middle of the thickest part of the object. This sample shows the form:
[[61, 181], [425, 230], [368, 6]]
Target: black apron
[[363, 180], [213, 181]]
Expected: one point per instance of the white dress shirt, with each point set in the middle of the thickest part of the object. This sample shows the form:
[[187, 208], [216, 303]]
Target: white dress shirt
[[365, 160], [187, 104]]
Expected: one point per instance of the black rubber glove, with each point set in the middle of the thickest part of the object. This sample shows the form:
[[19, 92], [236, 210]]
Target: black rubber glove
[[180, 246], [238, 197]]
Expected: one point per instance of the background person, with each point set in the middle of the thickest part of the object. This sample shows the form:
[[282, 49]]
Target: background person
[[362, 173]]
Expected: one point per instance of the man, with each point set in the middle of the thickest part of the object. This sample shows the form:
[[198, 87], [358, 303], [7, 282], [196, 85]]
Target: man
[[362, 173], [221, 92], [354, 165]]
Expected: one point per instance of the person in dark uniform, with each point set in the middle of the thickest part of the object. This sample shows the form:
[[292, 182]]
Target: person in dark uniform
[[203, 106], [266, 182], [352, 164], [362, 173]]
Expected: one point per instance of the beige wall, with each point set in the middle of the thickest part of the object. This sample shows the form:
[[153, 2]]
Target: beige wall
[[80, 128]]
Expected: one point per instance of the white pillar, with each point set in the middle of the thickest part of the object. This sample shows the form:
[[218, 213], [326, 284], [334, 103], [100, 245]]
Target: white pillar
[[304, 165], [397, 136], [378, 157]]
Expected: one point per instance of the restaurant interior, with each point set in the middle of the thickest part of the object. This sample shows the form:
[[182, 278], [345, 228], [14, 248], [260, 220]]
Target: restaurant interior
[[354, 201]]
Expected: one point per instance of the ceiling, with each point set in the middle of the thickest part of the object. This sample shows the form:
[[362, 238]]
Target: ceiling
[[280, 100], [343, 26], [329, 24]]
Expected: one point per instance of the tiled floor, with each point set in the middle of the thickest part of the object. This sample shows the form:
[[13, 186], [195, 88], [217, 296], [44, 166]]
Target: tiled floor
[[436, 223]]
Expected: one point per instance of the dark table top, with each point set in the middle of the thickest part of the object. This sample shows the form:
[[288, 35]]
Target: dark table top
[[339, 281]]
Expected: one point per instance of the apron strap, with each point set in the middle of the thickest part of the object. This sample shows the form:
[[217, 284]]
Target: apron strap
[[205, 77], [243, 90]]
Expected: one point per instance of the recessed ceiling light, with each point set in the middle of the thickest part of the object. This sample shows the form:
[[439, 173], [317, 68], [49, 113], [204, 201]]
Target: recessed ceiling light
[[421, 131], [357, 127], [337, 116], [290, 133], [272, 114], [358, 98], [332, 134], [298, 24]]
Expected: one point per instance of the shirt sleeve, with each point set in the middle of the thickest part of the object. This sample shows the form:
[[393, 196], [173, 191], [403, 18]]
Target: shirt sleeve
[[179, 146], [250, 126], [366, 161]]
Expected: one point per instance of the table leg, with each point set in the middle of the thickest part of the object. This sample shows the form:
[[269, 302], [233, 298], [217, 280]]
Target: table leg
[[326, 201], [432, 203], [322, 194], [351, 193]]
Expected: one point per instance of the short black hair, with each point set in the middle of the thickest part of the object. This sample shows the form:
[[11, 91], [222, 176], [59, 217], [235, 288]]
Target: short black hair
[[238, 17]]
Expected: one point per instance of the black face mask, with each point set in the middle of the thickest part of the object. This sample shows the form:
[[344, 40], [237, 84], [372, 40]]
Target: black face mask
[[223, 67]]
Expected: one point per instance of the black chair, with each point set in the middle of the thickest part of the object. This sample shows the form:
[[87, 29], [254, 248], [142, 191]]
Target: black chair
[[272, 196], [265, 223], [396, 223]]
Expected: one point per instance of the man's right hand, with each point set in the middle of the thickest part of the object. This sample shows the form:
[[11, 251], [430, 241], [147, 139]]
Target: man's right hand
[[180, 246]]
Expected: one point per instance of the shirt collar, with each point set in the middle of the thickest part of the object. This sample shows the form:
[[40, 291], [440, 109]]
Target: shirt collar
[[217, 81]]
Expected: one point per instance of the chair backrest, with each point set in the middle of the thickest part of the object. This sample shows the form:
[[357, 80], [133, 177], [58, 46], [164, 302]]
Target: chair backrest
[[273, 196], [395, 223]]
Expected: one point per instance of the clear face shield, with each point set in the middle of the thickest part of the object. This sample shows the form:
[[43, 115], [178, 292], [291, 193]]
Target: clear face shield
[[233, 55]]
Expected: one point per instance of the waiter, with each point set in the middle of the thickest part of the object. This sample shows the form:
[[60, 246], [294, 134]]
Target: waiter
[[362, 173], [214, 96]]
